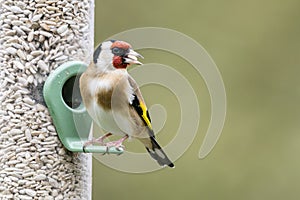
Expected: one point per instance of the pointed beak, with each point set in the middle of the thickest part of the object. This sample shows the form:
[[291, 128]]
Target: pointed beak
[[132, 57]]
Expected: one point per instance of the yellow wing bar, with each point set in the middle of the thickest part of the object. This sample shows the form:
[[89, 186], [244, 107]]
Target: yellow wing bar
[[144, 115]]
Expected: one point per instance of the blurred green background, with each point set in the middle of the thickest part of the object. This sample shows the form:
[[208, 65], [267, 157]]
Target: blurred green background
[[256, 45]]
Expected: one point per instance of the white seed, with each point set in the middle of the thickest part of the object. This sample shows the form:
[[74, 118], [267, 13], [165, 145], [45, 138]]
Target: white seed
[[62, 29], [10, 107], [19, 65], [5, 129], [28, 135], [7, 21], [34, 166], [11, 40], [12, 17], [36, 18], [12, 162], [32, 69], [74, 27], [45, 26], [47, 34], [61, 152], [28, 101], [51, 1], [30, 79], [42, 38], [52, 8], [25, 45], [49, 22], [21, 54], [32, 46], [16, 45], [64, 33], [40, 177], [30, 36], [21, 165], [17, 137], [15, 131], [13, 169], [63, 57], [19, 111], [37, 53], [19, 30], [51, 128], [25, 28], [22, 80], [70, 22], [16, 9], [43, 66], [29, 57], [22, 182], [27, 12], [30, 192], [16, 23], [11, 32], [11, 50], [24, 197]]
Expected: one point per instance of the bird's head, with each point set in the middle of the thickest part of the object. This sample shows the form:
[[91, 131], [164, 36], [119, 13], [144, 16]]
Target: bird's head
[[115, 54]]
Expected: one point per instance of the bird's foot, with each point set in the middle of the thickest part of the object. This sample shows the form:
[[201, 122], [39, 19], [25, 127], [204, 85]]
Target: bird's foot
[[96, 141], [117, 144]]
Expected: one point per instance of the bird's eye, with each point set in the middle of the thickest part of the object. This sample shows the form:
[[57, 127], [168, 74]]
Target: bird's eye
[[118, 51]]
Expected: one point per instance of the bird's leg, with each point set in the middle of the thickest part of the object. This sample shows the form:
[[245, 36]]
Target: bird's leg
[[117, 144], [96, 141], [101, 138]]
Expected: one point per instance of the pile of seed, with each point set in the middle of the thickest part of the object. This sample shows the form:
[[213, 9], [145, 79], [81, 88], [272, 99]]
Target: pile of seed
[[36, 36]]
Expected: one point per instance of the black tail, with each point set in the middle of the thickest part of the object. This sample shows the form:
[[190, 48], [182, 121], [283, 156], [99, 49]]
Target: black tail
[[158, 154]]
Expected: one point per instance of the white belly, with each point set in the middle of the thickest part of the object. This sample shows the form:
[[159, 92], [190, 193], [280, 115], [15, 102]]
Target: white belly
[[114, 123]]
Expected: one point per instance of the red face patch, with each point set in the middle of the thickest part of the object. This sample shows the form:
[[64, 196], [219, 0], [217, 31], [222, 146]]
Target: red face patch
[[118, 62]]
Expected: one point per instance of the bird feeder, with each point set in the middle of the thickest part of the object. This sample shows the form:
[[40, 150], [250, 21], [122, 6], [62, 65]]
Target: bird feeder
[[36, 39], [72, 122]]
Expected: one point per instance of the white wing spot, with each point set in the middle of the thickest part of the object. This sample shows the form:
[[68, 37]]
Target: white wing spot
[[151, 151], [160, 153]]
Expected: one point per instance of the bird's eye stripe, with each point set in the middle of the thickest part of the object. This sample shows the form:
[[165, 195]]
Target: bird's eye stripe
[[118, 51], [97, 53]]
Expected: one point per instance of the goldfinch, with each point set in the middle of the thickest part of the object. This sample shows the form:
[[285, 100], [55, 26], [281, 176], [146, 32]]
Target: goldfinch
[[114, 101]]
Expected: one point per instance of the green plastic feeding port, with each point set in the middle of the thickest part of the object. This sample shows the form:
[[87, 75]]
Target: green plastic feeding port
[[64, 102]]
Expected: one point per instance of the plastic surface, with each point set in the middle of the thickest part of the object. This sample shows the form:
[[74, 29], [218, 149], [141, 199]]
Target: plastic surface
[[72, 124]]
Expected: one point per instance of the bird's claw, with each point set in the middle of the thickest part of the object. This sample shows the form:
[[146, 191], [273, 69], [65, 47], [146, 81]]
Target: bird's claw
[[118, 145], [120, 148]]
